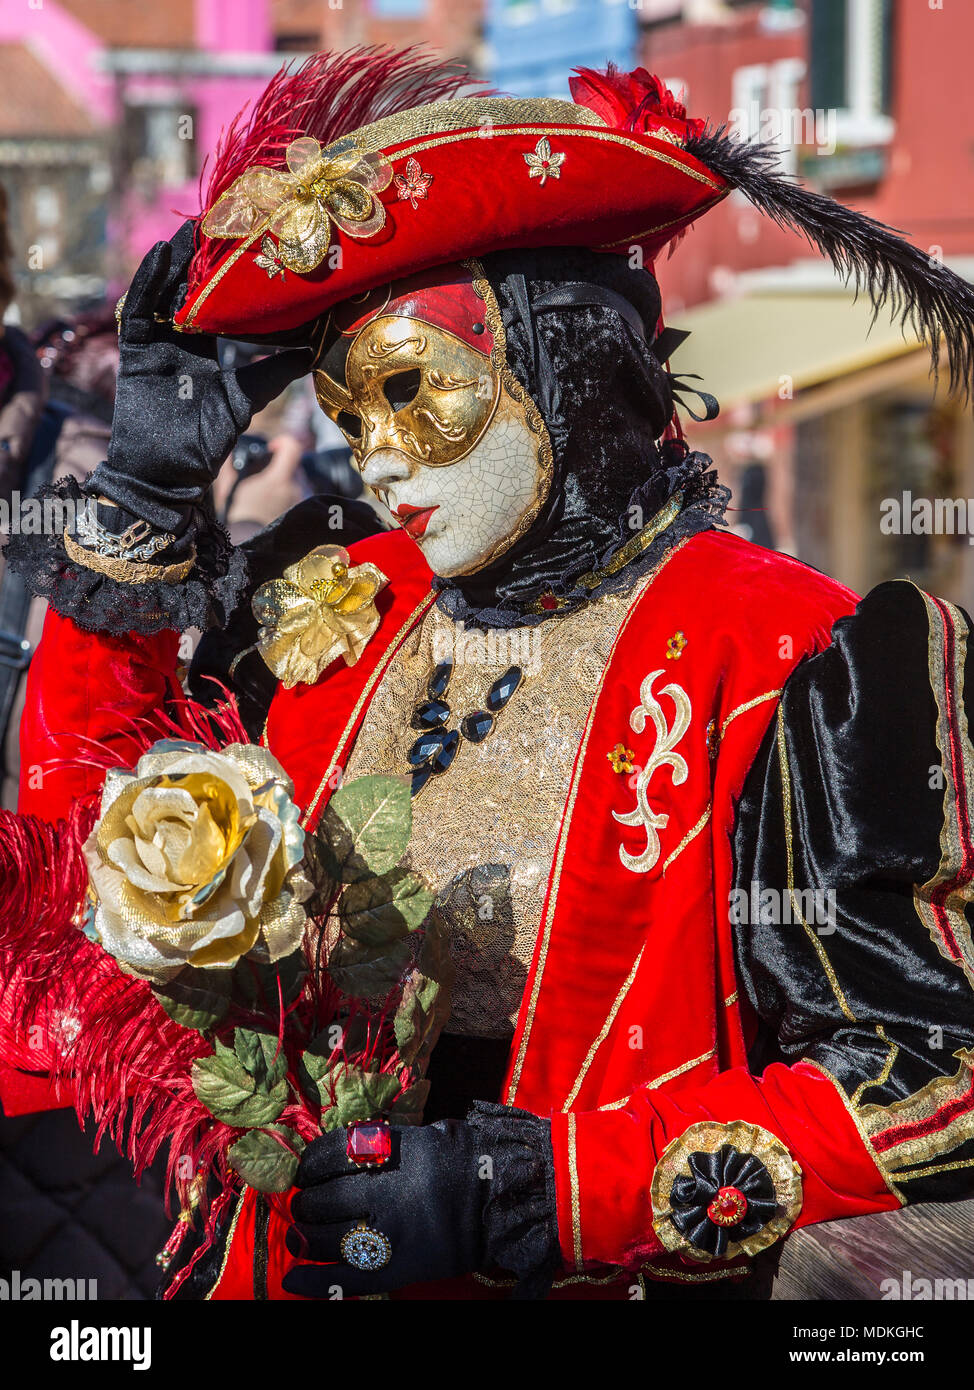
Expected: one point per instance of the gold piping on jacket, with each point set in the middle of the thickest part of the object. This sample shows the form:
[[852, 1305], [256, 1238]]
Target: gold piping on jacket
[[910, 1174], [923, 1105], [576, 1205], [690, 835], [545, 930], [226, 1249], [661, 1080], [812, 935], [748, 704], [603, 1032], [706, 1276], [367, 689], [883, 1076]]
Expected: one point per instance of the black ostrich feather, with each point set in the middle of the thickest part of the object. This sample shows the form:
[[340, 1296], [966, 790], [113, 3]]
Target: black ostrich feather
[[916, 288]]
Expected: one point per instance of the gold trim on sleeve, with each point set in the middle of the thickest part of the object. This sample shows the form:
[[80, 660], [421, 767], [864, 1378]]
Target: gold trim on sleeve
[[883, 1076], [748, 704], [907, 1131], [661, 1080], [856, 1119], [226, 1249], [690, 835], [576, 1206], [127, 571], [929, 898]]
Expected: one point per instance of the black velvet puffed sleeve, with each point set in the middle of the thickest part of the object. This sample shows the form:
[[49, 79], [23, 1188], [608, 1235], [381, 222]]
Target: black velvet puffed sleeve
[[854, 883]]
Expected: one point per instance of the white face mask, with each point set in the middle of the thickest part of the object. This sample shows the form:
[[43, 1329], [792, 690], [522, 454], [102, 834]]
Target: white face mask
[[466, 514]]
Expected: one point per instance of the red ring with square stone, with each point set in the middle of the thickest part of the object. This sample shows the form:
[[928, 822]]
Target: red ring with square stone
[[368, 1143]]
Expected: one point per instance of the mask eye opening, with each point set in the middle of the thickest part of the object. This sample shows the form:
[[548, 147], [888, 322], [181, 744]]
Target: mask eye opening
[[349, 424], [401, 388]]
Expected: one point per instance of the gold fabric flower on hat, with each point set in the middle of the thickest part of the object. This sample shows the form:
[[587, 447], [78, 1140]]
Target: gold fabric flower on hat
[[320, 187], [196, 859], [322, 608]]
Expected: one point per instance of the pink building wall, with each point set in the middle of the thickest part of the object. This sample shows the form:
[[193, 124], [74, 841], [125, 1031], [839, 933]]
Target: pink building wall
[[75, 56]]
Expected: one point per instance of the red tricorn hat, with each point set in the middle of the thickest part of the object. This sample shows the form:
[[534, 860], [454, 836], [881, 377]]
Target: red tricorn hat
[[365, 168], [303, 211]]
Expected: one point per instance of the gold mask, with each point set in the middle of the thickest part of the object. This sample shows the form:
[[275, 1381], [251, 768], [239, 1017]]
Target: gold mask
[[413, 387]]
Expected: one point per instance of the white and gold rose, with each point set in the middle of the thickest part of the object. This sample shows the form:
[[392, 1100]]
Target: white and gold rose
[[196, 859]]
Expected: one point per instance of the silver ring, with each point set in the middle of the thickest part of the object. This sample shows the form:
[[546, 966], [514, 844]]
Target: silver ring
[[365, 1248]]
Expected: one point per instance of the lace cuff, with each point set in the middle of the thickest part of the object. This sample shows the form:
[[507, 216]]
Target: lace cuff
[[520, 1214], [96, 602]]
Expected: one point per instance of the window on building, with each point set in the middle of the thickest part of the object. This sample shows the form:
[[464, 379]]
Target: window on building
[[765, 106], [161, 144], [851, 58]]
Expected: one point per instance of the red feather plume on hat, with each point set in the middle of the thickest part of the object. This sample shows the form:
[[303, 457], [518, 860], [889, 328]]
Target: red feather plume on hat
[[632, 101]]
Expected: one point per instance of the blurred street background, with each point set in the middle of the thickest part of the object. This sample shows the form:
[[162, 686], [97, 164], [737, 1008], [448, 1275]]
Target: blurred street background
[[109, 107]]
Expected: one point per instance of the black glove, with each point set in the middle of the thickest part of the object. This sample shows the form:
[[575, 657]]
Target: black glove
[[427, 1201], [177, 414]]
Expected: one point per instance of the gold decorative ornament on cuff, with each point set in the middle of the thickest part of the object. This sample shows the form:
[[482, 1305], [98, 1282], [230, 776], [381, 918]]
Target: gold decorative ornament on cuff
[[128, 571], [727, 1205]]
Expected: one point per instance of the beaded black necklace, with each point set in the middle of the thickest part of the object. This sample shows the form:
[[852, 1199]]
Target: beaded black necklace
[[437, 745]]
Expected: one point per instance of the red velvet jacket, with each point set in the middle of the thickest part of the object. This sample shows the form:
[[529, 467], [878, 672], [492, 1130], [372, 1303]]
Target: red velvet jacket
[[631, 1029]]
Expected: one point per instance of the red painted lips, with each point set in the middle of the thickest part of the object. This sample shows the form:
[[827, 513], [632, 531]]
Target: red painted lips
[[414, 519]]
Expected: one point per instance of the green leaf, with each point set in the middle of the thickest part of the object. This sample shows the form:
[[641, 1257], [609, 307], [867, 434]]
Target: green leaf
[[196, 998], [265, 1164], [366, 827], [422, 1011], [231, 1094], [314, 1078], [368, 972], [255, 1053], [363, 1095], [316, 1066], [220, 1081], [426, 996], [408, 1109], [382, 909]]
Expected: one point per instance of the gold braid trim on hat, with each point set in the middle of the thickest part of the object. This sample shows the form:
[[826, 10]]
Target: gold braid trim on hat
[[128, 571]]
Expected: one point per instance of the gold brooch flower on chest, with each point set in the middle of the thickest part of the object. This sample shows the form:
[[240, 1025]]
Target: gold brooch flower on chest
[[320, 187], [322, 608]]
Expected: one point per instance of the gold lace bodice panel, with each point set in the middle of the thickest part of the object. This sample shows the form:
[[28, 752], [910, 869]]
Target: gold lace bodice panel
[[484, 831]]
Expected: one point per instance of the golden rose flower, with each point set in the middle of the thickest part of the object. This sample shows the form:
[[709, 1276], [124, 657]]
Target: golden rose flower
[[196, 860]]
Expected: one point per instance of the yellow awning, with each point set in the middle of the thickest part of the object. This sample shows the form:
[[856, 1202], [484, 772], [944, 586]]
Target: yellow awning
[[748, 348]]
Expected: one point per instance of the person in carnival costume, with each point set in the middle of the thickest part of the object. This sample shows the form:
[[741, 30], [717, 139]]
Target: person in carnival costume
[[708, 910]]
